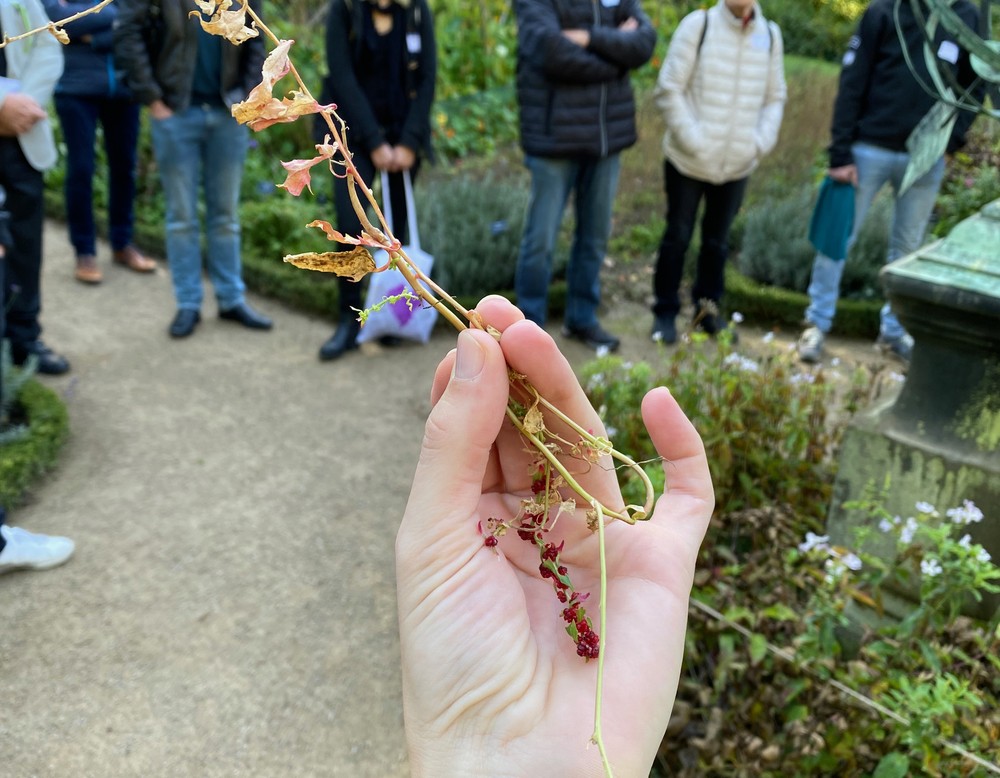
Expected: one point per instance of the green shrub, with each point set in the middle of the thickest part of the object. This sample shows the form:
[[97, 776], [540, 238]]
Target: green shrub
[[275, 227], [963, 193], [767, 433], [26, 455], [472, 227], [776, 250], [816, 28]]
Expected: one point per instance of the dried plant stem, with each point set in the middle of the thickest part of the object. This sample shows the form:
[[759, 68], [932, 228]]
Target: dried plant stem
[[57, 25]]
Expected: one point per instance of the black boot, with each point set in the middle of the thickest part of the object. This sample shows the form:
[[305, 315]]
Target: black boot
[[344, 339]]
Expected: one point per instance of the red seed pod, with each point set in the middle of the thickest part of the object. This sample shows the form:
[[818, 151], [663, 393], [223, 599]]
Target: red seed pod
[[490, 541]]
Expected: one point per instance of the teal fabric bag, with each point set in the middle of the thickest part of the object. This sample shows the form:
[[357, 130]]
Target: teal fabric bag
[[832, 218]]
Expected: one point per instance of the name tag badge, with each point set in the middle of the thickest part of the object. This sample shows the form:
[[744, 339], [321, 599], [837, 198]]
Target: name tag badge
[[948, 51], [610, 3], [413, 42]]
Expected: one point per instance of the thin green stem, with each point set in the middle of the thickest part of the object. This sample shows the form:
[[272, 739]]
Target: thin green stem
[[597, 737]]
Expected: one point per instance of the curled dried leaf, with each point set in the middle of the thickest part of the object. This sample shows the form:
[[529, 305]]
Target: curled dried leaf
[[59, 34], [300, 170], [379, 241], [534, 422], [354, 264], [231, 25]]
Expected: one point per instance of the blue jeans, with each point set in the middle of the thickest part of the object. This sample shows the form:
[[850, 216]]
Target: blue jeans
[[202, 147], [911, 212], [594, 181], [119, 118]]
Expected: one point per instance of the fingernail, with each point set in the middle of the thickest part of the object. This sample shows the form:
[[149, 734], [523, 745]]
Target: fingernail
[[469, 357]]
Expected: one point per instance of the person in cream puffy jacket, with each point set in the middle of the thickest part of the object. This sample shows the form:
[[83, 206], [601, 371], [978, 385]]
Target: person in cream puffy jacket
[[722, 92]]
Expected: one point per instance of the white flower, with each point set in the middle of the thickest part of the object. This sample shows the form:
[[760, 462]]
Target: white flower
[[930, 567], [967, 513], [966, 541], [897, 377], [835, 362], [597, 379], [602, 351], [802, 378], [737, 317], [886, 526], [852, 561], [983, 555], [820, 542], [768, 337], [611, 432], [741, 362], [909, 530], [925, 507], [835, 570]]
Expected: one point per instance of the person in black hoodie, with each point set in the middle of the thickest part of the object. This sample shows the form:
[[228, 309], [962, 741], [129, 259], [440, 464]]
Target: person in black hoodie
[[381, 61], [577, 113], [92, 91], [880, 101]]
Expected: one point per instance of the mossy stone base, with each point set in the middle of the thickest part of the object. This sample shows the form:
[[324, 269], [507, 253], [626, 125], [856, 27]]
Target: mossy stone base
[[876, 453]]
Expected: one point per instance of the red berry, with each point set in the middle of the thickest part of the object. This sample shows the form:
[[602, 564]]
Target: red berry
[[490, 541]]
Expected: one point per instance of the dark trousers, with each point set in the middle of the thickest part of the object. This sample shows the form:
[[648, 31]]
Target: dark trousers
[[722, 203], [119, 118], [22, 282], [349, 223]]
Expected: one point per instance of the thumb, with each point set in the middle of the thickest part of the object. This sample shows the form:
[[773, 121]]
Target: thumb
[[458, 438]]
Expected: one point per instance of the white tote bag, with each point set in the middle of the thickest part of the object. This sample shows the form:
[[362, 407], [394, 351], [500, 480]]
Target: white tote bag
[[406, 318]]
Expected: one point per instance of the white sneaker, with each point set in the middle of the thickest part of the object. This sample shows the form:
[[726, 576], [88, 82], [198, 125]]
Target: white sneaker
[[901, 347], [810, 345], [27, 549]]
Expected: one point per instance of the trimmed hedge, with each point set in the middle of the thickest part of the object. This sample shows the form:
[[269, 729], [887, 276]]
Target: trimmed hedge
[[772, 305], [23, 461]]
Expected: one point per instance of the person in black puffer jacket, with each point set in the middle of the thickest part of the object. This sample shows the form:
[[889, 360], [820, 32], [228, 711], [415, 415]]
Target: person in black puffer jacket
[[577, 115], [92, 90]]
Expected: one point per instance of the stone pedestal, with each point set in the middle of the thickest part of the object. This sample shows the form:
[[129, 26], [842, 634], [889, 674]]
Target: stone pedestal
[[939, 439]]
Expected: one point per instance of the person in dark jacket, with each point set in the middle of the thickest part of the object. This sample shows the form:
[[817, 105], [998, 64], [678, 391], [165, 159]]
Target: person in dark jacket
[[91, 91], [880, 101], [190, 80], [29, 71], [577, 115], [381, 61]]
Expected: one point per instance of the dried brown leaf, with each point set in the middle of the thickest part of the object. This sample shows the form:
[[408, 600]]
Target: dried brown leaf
[[231, 25], [354, 264]]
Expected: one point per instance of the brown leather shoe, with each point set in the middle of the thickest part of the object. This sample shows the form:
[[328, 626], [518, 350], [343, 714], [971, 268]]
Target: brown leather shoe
[[131, 258], [87, 271]]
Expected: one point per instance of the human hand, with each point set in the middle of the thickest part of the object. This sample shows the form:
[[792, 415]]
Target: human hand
[[492, 684], [382, 157], [19, 113], [160, 110], [404, 158], [629, 25], [580, 37], [846, 174]]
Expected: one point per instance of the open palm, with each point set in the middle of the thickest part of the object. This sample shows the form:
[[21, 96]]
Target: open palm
[[492, 684]]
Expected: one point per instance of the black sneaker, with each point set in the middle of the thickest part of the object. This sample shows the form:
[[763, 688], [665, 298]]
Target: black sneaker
[[47, 361], [594, 336], [664, 330]]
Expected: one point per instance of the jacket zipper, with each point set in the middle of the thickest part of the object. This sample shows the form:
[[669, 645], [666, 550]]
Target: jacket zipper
[[604, 92]]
